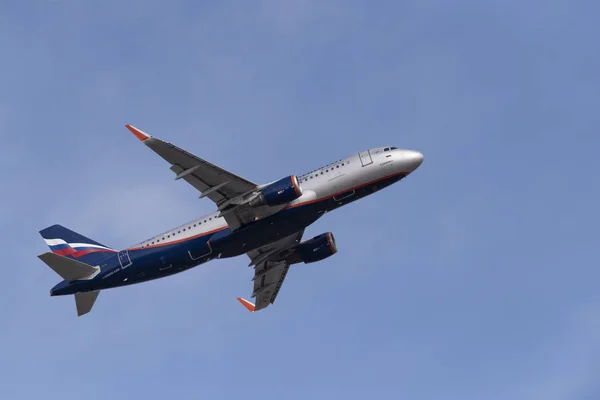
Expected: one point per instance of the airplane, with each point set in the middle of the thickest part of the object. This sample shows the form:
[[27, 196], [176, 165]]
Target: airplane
[[264, 221]]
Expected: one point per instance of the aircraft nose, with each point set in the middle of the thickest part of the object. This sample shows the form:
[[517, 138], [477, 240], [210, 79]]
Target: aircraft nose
[[412, 159]]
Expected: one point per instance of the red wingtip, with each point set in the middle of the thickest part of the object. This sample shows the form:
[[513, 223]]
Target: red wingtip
[[246, 304], [138, 133]]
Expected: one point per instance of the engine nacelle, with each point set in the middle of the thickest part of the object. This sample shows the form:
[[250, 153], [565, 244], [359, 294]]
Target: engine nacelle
[[279, 193], [315, 249]]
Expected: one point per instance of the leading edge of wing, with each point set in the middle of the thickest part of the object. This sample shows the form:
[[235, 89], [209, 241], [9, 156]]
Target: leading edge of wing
[[250, 306], [141, 135]]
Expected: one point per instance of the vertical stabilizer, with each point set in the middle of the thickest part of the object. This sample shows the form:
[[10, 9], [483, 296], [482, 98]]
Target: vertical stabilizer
[[67, 243]]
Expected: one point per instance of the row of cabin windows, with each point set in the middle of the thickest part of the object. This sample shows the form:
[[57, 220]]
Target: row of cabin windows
[[178, 232], [322, 171]]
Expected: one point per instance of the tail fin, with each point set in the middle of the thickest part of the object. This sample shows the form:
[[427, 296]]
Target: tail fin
[[65, 242]]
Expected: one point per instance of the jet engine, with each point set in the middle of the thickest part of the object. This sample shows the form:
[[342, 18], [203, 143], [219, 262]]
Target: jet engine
[[278, 193], [315, 249]]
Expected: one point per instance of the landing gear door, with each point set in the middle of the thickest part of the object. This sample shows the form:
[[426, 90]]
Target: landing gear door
[[365, 158]]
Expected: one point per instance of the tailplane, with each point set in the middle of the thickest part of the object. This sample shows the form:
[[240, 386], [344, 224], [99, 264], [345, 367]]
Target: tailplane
[[68, 269], [67, 243], [72, 270]]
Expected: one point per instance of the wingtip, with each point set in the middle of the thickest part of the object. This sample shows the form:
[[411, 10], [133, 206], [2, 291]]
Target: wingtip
[[247, 304], [141, 135]]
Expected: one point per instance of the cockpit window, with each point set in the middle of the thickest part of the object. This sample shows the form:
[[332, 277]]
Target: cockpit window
[[386, 149], [393, 148]]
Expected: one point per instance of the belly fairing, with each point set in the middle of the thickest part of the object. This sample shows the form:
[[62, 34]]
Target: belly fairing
[[265, 231]]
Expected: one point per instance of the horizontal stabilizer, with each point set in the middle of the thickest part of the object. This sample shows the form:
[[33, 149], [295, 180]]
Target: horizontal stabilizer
[[69, 269], [85, 302], [247, 304]]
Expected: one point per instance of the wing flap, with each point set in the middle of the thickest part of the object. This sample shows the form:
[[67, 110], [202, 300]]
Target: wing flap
[[201, 174], [201, 185], [267, 287], [270, 271]]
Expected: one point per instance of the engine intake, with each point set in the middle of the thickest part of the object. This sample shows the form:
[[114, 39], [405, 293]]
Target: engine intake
[[279, 193], [315, 249]]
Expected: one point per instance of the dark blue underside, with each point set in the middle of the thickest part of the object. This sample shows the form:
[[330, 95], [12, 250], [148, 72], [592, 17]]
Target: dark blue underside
[[135, 266]]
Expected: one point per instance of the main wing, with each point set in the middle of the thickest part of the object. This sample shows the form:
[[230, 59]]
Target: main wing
[[213, 182], [269, 275], [234, 196]]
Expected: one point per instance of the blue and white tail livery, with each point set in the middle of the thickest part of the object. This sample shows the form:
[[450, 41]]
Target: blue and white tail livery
[[65, 242], [264, 221]]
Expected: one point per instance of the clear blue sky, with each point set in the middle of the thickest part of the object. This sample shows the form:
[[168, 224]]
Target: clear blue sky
[[475, 278]]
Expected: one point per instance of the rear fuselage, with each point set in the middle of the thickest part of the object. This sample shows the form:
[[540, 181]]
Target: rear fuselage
[[209, 237]]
